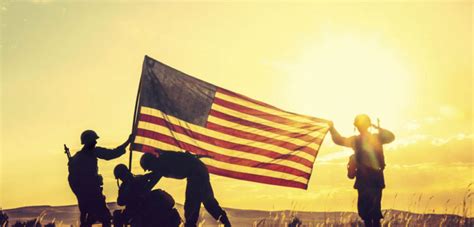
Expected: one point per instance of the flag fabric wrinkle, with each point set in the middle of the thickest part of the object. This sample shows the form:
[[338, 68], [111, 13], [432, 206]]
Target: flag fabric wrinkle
[[243, 138]]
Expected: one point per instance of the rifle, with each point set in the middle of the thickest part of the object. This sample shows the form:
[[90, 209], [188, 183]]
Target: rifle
[[66, 151]]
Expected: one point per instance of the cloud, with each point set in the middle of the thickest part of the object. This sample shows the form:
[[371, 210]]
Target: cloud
[[333, 156], [428, 149]]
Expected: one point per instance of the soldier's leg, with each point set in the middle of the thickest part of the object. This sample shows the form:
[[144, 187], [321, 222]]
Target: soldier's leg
[[87, 217], [118, 218], [201, 175], [369, 206], [212, 206], [192, 204], [103, 214], [82, 205], [98, 208], [174, 220], [86, 207], [363, 202], [216, 211], [82, 210], [377, 208]]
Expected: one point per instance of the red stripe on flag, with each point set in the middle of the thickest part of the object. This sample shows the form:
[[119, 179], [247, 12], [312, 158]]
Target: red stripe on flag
[[260, 138], [267, 128], [158, 136], [143, 148], [264, 115], [236, 95], [256, 178], [223, 143], [219, 157]]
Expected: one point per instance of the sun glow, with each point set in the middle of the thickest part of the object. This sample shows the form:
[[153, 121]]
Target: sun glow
[[344, 75]]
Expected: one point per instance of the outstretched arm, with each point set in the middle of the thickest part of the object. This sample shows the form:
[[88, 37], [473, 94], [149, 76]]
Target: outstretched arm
[[385, 135], [338, 139], [108, 154]]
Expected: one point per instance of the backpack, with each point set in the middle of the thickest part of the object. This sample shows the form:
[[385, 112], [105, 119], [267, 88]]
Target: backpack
[[352, 167]]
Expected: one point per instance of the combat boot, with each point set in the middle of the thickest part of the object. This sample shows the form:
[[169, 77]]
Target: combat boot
[[224, 219]]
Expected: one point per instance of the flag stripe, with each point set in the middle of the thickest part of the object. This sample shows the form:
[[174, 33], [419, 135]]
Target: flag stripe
[[165, 144], [268, 128], [256, 171], [260, 138], [256, 102], [265, 149], [256, 178], [217, 138], [254, 109], [220, 157], [217, 163], [311, 131], [287, 160], [252, 113], [243, 138], [267, 133], [243, 97]]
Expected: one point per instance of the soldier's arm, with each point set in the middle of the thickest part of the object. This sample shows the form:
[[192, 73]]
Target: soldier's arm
[[340, 140], [108, 154], [386, 136]]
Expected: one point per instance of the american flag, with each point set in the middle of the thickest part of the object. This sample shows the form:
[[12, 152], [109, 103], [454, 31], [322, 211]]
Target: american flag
[[244, 138]]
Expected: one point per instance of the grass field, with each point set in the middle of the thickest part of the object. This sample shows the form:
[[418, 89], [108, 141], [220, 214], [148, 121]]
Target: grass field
[[68, 215]]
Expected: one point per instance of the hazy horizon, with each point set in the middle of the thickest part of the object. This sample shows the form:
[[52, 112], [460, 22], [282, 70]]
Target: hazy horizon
[[71, 66]]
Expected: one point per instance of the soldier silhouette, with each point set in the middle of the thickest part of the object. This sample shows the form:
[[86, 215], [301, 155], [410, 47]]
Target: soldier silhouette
[[367, 165], [180, 165], [85, 181], [143, 207]]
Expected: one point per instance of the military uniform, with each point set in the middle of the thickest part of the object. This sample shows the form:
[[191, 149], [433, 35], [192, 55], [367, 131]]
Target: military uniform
[[181, 165], [369, 163], [145, 207], [86, 183], [370, 180]]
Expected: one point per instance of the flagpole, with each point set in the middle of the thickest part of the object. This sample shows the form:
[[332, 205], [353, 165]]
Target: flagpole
[[135, 113]]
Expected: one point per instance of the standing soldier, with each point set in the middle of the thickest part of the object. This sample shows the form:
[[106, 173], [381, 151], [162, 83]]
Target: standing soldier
[[369, 165], [85, 181], [180, 165]]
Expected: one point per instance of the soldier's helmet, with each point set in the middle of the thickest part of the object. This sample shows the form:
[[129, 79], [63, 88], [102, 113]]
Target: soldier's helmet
[[146, 161], [88, 136], [362, 121], [120, 171]]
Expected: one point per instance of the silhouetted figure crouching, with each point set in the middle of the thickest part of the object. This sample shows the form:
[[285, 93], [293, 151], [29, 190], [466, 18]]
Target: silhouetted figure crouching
[[367, 164], [182, 165], [143, 207]]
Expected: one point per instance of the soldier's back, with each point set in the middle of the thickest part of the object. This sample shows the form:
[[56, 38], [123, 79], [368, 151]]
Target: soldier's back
[[83, 171], [177, 164], [370, 162]]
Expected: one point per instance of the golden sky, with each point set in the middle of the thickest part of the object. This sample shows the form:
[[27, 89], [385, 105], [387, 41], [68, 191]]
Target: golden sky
[[71, 66]]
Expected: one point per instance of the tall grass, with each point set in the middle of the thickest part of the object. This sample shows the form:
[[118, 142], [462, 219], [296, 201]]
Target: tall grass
[[392, 217]]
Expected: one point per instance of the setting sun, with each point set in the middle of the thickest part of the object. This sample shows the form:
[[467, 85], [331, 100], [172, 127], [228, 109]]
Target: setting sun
[[351, 73], [71, 66]]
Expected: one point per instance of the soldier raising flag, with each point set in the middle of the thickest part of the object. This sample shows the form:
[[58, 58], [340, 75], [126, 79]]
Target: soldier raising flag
[[85, 181], [366, 165]]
